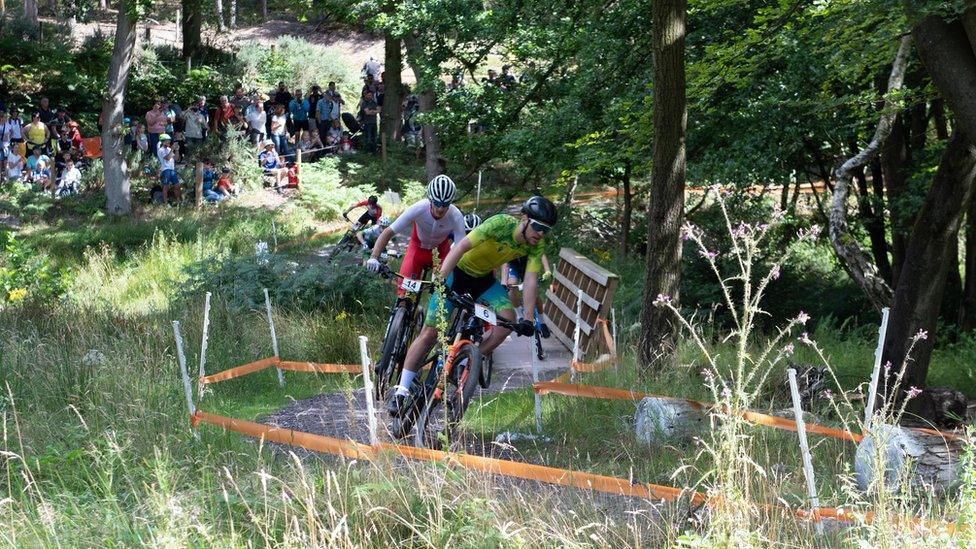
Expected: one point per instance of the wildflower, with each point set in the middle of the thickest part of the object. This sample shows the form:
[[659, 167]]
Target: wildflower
[[802, 318], [913, 392], [707, 374], [687, 231], [788, 349], [828, 394], [342, 315], [662, 299], [17, 294], [805, 339], [708, 254], [922, 334], [726, 393], [774, 273]]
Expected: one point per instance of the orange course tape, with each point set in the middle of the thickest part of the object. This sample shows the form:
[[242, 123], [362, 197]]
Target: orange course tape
[[527, 471], [239, 371], [317, 368]]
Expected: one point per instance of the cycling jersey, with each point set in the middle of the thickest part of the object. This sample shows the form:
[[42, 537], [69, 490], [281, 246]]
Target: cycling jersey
[[493, 244], [371, 234], [429, 232], [374, 211]]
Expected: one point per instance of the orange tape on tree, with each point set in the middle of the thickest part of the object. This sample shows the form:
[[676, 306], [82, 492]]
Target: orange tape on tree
[[318, 368], [239, 371]]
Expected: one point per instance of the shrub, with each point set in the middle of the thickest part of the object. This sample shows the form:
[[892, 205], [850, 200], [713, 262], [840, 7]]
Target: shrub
[[299, 64], [26, 275]]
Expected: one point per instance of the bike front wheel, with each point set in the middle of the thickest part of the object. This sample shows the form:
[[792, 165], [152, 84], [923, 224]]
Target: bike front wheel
[[387, 368], [439, 424]]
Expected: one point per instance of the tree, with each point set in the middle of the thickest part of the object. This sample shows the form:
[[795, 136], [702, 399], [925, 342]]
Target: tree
[[220, 15], [30, 14], [392, 85], [666, 208], [191, 27], [116, 171]]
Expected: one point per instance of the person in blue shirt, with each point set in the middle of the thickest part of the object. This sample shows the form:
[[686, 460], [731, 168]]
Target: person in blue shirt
[[272, 164], [210, 175], [298, 115]]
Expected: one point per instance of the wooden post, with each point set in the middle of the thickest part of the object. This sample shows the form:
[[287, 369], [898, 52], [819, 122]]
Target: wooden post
[[198, 187], [368, 386], [298, 171], [181, 358], [876, 373], [274, 336], [203, 343], [801, 431]]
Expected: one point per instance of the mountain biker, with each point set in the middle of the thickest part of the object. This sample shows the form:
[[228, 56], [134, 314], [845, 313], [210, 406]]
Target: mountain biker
[[469, 268], [371, 215], [368, 237], [471, 222], [430, 222], [513, 273]]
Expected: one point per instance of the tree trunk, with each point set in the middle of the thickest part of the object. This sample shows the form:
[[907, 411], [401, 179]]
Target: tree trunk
[[264, 10], [967, 314], [894, 157], [103, 5], [118, 198], [72, 20], [628, 212], [426, 80], [659, 328], [952, 295], [233, 14], [30, 14], [220, 16], [939, 117], [191, 27], [392, 87], [858, 264], [918, 297], [874, 224]]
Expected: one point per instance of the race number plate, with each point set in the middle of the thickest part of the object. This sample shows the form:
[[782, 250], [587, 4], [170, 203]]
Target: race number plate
[[486, 314], [411, 285]]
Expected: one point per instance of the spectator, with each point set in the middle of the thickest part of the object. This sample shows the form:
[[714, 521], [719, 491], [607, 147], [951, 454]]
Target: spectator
[[167, 164], [140, 141], [5, 149], [372, 68], [367, 113], [528, 74], [239, 99], [298, 113], [202, 110], [272, 165], [282, 96], [224, 118], [507, 79], [279, 130], [70, 181], [457, 81], [210, 193], [15, 167], [371, 86], [45, 111], [195, 124], [16, 125], [72, 135], [329, 108], [61, 160], [411, 128], [334, 136], [225, 185], [155, 125], [38, 134], [315, 93], [39, 168], [128, 133], [310, 145], [256, 120], [492, 78], [60, 122]]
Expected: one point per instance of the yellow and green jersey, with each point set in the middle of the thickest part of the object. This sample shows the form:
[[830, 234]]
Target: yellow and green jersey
[[493, 244]]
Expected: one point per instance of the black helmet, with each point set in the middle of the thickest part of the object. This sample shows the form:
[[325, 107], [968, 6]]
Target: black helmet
[[372, 200], [541, 209]]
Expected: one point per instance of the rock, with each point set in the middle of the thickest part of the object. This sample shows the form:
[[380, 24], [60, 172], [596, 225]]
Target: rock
[[936, 407], [663, 419], [927, 462]]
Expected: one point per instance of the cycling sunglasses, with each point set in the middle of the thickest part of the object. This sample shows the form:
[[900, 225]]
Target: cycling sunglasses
[[440, 204], [539, 227]]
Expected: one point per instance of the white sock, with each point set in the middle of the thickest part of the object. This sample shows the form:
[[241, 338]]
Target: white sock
[[406, 378]]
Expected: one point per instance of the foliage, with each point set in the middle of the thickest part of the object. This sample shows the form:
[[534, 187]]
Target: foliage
[[27, 276], [299, 64]]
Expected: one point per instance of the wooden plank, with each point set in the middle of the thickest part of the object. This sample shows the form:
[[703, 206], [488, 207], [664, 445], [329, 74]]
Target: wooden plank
[[588, 267], [566, 340], [568, 311], [572, 288]]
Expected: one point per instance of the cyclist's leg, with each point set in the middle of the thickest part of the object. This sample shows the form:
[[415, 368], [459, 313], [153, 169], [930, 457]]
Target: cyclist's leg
[[424, 342], [415, 260], [497, 299]]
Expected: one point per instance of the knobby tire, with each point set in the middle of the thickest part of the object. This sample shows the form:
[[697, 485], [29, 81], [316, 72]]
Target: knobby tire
[[440, 419]]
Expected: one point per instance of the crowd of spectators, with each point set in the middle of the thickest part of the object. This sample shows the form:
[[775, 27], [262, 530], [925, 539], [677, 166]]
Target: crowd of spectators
[[45, 153]]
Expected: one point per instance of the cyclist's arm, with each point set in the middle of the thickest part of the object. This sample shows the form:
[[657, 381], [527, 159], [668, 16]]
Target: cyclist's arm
[[381, 243], [505, 275], [530, 287], [546, 268], [454, 256]]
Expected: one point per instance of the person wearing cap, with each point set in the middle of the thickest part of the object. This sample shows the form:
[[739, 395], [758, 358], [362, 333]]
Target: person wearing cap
[[469, 268], [155, 125], [271, 163], [169, 179]]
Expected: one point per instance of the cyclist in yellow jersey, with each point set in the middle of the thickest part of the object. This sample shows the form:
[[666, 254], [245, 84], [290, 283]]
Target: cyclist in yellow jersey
[[469, 268]]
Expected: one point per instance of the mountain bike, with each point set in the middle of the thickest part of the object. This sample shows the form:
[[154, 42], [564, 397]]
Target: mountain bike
[[438, 403], [347, 243], [406, 319], [541, 330]]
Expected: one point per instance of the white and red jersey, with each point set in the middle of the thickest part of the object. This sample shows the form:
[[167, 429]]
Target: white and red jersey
[[428, 232], [375, 211]]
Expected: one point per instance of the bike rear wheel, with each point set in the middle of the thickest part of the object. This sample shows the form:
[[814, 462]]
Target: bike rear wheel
[[345, 243], [439, 423], [387, 368]]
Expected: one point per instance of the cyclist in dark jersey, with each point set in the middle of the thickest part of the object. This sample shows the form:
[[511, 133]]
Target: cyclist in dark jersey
[[372, 214], [513, 274]]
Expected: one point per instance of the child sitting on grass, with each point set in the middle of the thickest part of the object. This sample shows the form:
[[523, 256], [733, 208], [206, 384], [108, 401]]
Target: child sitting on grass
[[225, 185]]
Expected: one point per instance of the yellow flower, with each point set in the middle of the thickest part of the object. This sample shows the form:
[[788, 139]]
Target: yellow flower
[[17, 294], [342, 315]]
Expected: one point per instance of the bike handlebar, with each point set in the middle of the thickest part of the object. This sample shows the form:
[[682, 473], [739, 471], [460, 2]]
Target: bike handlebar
[[467, 302]]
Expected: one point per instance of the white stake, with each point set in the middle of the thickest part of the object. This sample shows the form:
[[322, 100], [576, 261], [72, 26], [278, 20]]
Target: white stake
[[477, 200], [876, 373], [203, 343], [801, 431], [274, 336], [538, 397], [576, 332], [368, 385], [181, 358], [613, 328]]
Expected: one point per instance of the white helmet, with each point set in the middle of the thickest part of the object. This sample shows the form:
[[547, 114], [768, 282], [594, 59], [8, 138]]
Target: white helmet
[[471, 221], [384, 221], [441, 189]]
